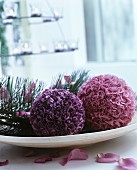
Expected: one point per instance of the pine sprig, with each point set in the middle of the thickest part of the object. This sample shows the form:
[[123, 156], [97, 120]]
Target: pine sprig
[[16, 96], [72, 82]]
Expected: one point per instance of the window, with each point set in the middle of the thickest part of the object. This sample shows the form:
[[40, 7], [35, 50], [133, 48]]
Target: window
[[111, 30]]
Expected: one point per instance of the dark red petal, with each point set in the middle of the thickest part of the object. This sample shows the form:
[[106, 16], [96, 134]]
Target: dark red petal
[[64, 161], [43, 159], [4, 163], [75, 154], [128, 164]]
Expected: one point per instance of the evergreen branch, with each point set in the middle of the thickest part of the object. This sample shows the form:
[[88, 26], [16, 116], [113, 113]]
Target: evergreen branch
[[72, 82], [17, 95]]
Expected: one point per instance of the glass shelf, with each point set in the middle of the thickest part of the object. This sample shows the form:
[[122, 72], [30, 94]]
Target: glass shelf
[[44, 19], [39, 53]]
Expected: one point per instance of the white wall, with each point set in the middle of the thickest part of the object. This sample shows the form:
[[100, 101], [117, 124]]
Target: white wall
[[45, 67], [126, 71], [72, 24]]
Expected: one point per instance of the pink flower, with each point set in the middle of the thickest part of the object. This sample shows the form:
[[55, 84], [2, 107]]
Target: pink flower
[[75, 154], [107, 158], [108, 101], [128, 164]]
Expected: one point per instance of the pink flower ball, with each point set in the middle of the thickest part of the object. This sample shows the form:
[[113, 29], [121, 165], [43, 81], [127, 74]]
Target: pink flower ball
[[108, 101]]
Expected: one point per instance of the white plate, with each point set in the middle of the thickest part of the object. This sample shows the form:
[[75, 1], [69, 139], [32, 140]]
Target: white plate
[[69, 140]]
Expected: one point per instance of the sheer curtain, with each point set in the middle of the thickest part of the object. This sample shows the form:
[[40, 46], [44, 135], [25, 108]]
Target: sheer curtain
[[111, 30], [111, 37]]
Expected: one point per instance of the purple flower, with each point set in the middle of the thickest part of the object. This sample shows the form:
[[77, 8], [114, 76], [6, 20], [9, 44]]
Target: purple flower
[[57, 112]]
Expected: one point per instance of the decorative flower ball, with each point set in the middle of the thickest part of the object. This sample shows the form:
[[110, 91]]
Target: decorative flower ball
[[57, 112], [108, 101]]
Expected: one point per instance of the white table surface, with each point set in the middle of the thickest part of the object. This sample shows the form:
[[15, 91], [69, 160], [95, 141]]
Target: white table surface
[[125, 146]]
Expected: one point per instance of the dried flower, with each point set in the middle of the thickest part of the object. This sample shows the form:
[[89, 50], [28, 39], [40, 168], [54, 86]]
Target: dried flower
[[109, 102], [57, 112]]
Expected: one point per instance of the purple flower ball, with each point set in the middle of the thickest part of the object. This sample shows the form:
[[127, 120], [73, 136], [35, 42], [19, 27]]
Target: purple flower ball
[[108, 101], [57, 112]]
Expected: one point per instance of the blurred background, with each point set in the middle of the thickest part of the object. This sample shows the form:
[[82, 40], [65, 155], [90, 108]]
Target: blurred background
[[40, 39]]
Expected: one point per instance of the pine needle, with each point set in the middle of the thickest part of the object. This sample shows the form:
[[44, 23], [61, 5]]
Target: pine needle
[[17, 95], [77, 78]]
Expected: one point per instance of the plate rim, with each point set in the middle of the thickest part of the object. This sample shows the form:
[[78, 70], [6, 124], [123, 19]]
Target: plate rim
[[68, 140]]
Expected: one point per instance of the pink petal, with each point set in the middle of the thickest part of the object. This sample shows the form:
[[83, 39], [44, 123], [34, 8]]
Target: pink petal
[[68, 79], [75, 154], [43, 159], [4, 94], [30, 153], [54, 155], [30, 88], [23, 114], [64, 161], [28, 92], [128, 164], [107, 158], [60, 83], [4, 163]]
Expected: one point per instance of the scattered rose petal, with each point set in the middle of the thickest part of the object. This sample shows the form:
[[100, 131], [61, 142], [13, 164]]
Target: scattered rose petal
[[30, 153], [54, 155], [128, 164], [43, 159], [4, 163], [107, 158], [75, 154], [64, 161]]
